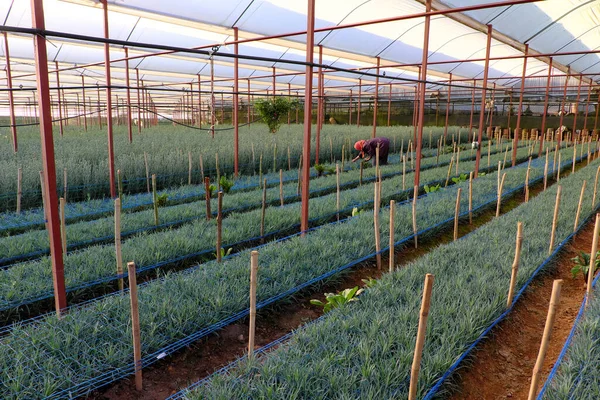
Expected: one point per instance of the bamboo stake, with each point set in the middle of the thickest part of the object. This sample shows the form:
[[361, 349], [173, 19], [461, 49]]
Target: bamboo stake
[[592, 266], [579, 206], [376, 223], [527, 182], [63, 225], [154, 199], [120, 185], [574, 157], [65, 187], [515, 265], [457, 159], [500, 195], [392, 255], [558, 170], [554, 301], [147, 172], [264, 210], [337, 193], [424, 314], [595, 189], [449, 171], [281, 187], [489, 153], [201, 169], [343, 156], [456, 213], [412, 156], [554, 219], [135, 324], [219, 224], [253, 282], [207, 200], [546, 170], [471, 198], [19, 189], [554, 162], [118, 255], [260, 174], [403, 172], [377, 162], [414, 213], [189, 167]]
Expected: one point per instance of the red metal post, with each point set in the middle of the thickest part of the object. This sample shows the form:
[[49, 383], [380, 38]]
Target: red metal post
[[577, 106], [483, 99], [350, 109], [518, 127], [358, 105], [422, 94], [129, 128], [60, 110], [84, 103], [308, 87], [139, 105], [109, 123], [448, 106], [562, 105], [545, 113], [389, 110], [587, 105], [11, 103], [319, 106], [48, 166], [236, 138], [376, 99]]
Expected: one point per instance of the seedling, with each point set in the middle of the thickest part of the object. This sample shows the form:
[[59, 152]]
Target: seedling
[[333, 300], [369, 282], [581, 264], [356, 211], [459, 179], [224, 253], [161, 200], [226, 184], [431, 189], [321, 169]]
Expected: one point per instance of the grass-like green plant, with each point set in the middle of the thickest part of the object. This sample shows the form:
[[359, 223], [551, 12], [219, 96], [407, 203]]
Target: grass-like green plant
[[335, 300], [581, 264]]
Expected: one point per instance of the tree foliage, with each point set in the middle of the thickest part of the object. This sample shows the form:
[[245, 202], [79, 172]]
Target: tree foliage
[[273, 110]]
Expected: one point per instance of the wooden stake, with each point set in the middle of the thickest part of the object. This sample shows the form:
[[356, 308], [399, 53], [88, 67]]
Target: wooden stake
[[546, 170], [219, 225], [207, 197], [527, 182], [118, 255], [154, 199], [44, 200], [65, 187], [19, 189], [505, 155], [135, 324], [377, 161], [554, 166], [558, 170], [201, 169], [218, 183], [264, 210], [120, 185], [147, 172], [414, 213], [515, 265], [489, 153], [253, 282], [343, 156], [471, 198], [403, 172], [260, 174], [281, 187], [189, 167], [337, 195], [595, 189], [376, 202], [554, 220], [424, 314], [554, 300], [574, 157], [456, 213], [392, 254], [63, 225], [592, 266], [579, 206], [457, 159], [500, 195], [449, 171]]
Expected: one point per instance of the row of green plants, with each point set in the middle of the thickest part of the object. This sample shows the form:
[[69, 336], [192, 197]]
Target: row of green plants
[[84, 155], [37, 240], [364, 349], [28, 281], [92, 342]]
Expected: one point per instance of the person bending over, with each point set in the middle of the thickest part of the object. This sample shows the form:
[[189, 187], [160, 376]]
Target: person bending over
[[368, 148]]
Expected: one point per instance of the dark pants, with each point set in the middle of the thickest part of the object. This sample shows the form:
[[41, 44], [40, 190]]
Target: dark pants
[[384, 149]]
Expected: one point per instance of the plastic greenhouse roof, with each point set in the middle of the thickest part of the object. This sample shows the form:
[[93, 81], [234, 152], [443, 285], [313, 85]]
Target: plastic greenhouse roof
[[547, 26]]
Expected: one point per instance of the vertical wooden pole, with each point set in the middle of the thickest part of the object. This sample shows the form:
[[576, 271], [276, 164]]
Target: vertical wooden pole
[[155, 199], [264, 210], [456, 213], [554, 220], [147, 172], [558, 169], [489, 153], [500, 195], [527, 182], [392, 254], [414, 213], [574, 156], [449, 171], [20, 189], [118, 255], [546, 170], [219, 225], [281, 187], [592, 266], [376, 204], [579, 206], [515, 265], [201, 169], [424, 314], [135, 323], [471, 198], [63, 226], [207, 197], [403, 172], [554, 300], [337, 192], [253, 283]]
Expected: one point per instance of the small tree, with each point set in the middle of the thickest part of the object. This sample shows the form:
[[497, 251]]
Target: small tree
[[273, 110]]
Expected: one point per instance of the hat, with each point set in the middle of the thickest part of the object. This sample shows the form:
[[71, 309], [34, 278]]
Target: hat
[[359, 145]]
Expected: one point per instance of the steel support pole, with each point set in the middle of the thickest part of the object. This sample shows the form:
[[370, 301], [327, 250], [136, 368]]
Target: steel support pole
[[127, 83], [60, 109], [422, 94], [483, 99], [85, 124], [562, 105], [236, 131], [48, 166], [308, 87], [376, 99], [389, 110], [359, 99], [11, 101], [109, 123], [577, 106], [519, 110], [545, 113], [587, 105], [448, 106], [319, 106]]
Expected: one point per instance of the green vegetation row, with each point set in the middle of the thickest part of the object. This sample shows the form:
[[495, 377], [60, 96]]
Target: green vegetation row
[[365, 348], [93, 342]]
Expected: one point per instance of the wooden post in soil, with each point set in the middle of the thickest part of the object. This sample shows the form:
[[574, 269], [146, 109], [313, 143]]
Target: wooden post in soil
[[337, 193], [218, 182], [499, 202], [343, 156], [457, 213], [118, 255], [592, 266], [579, 206], [424, 314], [414, 214], [154, 199], [574, 157], [515, 265], [376, 223], [63, 225], [546, 170], [595, 189], [219, 225], [554, 219], [189, 167], [65, 186], [44, 206], [19, 189], [207, 197], [471, 198], [527, 182], [281, 187], [120, 186], [252, 319], [289, 159], [201, 169], [449, 171], [260, 178], [403, 172], [392, 254], [554, 301], [147, 172], [457, 159], [377, 161], [489, 153], [263, 212], [554, 166], [505, 156], [558, 170], [135, 324]]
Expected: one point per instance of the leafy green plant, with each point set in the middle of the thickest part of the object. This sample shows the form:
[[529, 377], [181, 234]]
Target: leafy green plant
[[459, 179], [211, 190], [581, 264], [161, 200], [273, 110], [333, 300], [431, 189], [369, 282], [356, 211], [226, 184], [224, 253], [321, 169]]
